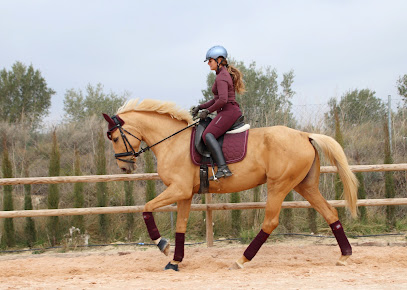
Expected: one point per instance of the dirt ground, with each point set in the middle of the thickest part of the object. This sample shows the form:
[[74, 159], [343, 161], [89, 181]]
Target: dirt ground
[[295, 263]]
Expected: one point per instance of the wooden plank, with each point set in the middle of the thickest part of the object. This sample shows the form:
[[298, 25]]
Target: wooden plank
[[194, 207], [368, 168], [155, 176], [83, 178]]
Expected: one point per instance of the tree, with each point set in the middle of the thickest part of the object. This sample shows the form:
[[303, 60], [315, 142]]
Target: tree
[[24, 94], [53, 195], [101, 187], [79, 200], [129, 199], [149, 168], [94, 101], [8, 238], [356, 107], [288, 214], [402, 88], [361, 195], [236, 214], [262, 104], [30, 232], [338, 182]]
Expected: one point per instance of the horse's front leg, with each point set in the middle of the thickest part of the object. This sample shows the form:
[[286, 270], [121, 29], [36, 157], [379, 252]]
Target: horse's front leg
[[183, 209], [171, 195]]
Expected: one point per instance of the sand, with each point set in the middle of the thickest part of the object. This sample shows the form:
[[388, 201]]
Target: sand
[[297, 263]]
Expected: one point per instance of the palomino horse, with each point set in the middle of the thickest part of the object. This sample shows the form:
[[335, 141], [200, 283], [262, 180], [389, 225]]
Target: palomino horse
[[283, 158]]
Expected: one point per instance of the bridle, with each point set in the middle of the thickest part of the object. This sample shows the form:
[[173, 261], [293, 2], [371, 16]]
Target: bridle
[[119, 125], [126, 142]]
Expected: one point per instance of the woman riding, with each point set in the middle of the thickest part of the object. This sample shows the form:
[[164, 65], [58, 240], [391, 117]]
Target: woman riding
[[228, 80]]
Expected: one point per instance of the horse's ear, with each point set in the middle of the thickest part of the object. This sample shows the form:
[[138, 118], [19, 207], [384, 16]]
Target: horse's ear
[[108, 119]]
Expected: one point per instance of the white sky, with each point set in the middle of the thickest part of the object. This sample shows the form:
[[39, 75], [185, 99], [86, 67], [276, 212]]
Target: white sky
[[155, 49]]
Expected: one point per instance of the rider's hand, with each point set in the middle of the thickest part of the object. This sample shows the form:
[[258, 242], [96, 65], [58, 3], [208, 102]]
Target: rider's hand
[[194, 111], [203, 114]]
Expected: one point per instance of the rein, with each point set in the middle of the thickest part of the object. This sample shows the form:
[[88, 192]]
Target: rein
[[126, 141]]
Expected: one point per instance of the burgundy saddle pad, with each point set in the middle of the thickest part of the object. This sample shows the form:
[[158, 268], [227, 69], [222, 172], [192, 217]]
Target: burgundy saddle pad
[[234, 148]]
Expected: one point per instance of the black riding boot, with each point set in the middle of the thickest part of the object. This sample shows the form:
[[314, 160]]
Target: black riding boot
[[217, 155]]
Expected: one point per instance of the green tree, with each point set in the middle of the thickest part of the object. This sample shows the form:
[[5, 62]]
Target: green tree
[[338, 182], [236, 214], [30, 232], [129, 200], [361, 195], [101, 187], [79, 105], [53, 195], [255, 212], [8, 238], [402, 88], [79, 200], [356, 107], [262, 103], [312, 219], [24, 94], [149, 168], [288, 213]]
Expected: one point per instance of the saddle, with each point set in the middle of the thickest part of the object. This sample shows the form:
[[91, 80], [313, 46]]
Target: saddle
[[233, 143]]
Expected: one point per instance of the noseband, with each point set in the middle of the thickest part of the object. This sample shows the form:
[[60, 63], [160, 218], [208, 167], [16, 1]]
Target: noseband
[[126, 142]]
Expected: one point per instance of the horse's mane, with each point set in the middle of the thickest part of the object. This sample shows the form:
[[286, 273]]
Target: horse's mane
[[160, 107]]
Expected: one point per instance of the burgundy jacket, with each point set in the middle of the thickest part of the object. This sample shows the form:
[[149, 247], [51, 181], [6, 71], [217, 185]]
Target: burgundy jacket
[[223, 91]]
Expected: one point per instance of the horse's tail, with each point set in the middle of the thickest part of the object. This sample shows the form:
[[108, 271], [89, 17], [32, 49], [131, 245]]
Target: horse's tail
[[337, 157]]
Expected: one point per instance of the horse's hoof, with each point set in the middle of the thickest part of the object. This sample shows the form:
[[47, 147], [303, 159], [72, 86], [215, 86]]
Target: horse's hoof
[[164, 246], [236, 266], [342, 261], [171, 267]]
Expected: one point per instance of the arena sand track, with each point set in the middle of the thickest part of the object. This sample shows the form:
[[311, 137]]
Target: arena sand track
[[299, 263]]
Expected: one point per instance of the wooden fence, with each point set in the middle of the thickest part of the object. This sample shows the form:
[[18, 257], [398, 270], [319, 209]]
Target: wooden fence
[[208, 207]]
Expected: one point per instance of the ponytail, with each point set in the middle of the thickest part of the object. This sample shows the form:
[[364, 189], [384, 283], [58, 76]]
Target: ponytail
[[237, 77]]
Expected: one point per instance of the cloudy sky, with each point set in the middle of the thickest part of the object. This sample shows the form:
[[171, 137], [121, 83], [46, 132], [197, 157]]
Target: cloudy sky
[[155, 49]]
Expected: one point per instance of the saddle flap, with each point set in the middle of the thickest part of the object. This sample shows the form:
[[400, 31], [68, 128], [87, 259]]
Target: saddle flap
[[234, 147], [198, 142]]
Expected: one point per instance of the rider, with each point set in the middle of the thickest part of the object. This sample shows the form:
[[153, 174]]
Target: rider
[[228, 80]]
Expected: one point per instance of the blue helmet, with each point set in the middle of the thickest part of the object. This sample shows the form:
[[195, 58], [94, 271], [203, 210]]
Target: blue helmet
[[215, 52]]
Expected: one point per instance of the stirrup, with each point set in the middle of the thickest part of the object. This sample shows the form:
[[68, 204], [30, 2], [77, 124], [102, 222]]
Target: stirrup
[[223, 171]]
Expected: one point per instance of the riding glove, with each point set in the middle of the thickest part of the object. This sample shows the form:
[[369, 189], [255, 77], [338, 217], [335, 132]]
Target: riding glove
[[203, 114], [195, 111]]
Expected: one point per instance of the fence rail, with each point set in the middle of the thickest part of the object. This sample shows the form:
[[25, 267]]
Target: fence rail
[[194, 207], [155, 176]]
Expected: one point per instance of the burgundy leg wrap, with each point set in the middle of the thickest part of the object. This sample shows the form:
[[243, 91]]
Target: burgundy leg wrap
[[179, 247], [255, 245], [341, 238], [151, 227]]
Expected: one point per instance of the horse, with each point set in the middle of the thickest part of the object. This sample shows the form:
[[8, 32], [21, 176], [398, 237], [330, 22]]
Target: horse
[[279, 156]]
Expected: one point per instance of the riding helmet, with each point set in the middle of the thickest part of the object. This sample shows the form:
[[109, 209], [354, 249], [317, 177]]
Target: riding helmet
[[215, 52]]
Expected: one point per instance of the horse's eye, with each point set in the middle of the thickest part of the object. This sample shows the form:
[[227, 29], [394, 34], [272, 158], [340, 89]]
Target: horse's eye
[[115, 139]]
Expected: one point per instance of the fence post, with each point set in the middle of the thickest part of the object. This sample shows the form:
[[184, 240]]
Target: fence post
[[209, 222], [389, 122]]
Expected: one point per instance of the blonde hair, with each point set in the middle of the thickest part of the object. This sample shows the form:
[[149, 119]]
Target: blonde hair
[[237, 77]]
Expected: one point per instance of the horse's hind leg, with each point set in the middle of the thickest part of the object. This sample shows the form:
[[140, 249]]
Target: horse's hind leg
[[308, 188]]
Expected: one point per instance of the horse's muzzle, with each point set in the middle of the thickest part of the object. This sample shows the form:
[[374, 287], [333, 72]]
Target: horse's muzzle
[[127, 167]]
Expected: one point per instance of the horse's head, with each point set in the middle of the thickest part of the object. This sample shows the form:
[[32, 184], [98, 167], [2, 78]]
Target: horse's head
[[125, 144]]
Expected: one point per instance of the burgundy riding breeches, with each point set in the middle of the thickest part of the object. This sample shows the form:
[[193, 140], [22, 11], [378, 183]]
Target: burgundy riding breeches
[[225, 118]]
